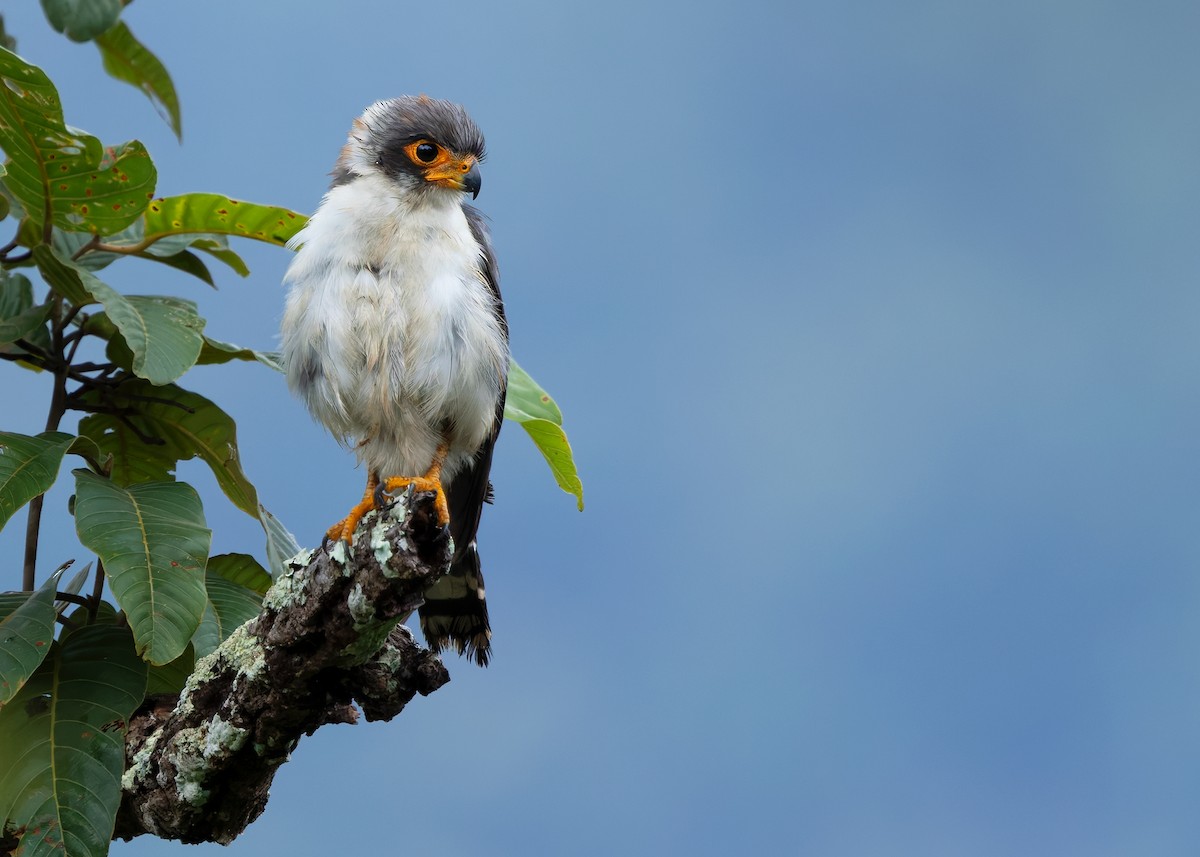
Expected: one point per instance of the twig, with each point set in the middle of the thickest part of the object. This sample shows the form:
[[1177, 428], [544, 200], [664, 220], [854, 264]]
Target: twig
[[20, 257], [58, 407], [92, 244]]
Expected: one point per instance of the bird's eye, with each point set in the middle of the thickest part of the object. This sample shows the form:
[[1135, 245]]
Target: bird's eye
[[426, 152]]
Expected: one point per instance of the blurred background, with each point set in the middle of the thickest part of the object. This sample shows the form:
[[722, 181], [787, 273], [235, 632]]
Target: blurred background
[[875, 329]]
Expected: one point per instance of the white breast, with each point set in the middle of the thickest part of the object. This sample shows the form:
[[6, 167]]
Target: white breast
[[390, 333]]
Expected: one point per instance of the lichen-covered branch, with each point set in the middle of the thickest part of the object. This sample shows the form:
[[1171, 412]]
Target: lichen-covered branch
[[200, 767]]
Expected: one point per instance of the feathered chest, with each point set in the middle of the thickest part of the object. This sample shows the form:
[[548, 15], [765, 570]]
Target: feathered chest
[[389, 319]]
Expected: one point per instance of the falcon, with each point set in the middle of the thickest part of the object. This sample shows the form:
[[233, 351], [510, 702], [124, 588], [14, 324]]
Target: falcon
[[394, 333]]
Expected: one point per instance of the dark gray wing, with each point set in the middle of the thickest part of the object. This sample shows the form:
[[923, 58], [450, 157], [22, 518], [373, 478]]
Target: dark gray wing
[[455, 609]]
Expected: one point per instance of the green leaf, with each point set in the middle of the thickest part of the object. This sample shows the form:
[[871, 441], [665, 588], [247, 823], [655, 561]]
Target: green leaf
[[170, 678], [188, 425], [164, 334], [154, 543], [72, 586], [217, 246], [25, 637], [81, 20], [162, 249], [133, 460], [128, 60], [24, 325], [281, 544], [62, 172], [10, 601], [215, 351], [526, 400], [243, 570], [106, 614], [28, 467], [551, 441], [233, 598], [16, 293], [220, 215], [185, 261], [532, 407], [16, 312], [62, 789]]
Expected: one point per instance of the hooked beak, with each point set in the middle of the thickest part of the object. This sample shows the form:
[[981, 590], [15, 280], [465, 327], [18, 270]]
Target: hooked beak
[[457, 174]]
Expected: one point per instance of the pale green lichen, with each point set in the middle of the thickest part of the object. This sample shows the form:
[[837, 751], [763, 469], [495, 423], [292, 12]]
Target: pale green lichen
[[241, 652], [223, 738], [137, 768], [190, 765], [300, 560], [371, 638], [362, 610], [338, 552], [244, 652], [380, 544], [195, 751], [284, 592]]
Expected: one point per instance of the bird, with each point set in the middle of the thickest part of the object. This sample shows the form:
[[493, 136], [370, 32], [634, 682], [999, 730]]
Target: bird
[[394, 333]]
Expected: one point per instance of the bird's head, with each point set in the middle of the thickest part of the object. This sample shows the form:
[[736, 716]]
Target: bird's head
[[422, 144]]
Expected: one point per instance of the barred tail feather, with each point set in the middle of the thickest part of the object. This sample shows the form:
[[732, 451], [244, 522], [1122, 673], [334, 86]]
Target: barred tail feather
[[455, 610]]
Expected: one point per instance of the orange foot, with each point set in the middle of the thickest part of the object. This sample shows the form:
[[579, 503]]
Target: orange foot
[[373, 497], [344, 529], [431, 481], [423, 483]]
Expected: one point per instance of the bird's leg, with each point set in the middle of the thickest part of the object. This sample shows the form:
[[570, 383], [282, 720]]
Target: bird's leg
[[344, 529], [431, 481]]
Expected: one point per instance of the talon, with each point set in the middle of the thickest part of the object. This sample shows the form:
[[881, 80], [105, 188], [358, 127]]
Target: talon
[[422, 483], [344, 529], [431, 481]]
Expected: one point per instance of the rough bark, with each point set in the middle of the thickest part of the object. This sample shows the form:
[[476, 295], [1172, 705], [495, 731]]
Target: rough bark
[[200, 766]]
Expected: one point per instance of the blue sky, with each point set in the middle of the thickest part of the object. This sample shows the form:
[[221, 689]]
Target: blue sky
[[874, 326]]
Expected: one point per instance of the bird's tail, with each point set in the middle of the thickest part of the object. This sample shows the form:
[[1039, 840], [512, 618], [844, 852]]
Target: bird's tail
[[455, 610]]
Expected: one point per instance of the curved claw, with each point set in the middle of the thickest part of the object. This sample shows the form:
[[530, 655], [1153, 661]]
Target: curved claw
[[422, 483], [344, 529]]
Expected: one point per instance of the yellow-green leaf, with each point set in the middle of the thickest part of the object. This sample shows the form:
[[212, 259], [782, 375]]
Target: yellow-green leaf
[[62, 173], [531, 406], [220, 215]]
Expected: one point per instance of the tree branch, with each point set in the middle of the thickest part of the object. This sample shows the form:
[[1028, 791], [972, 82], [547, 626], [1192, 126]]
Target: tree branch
[[199, 768]]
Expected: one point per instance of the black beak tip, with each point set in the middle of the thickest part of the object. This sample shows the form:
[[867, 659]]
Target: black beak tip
[[472, 182]]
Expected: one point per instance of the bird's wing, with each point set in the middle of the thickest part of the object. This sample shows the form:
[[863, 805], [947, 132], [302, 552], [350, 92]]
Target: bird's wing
[[455, 610]]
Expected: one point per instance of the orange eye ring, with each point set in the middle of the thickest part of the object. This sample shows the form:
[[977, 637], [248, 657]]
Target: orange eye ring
[[425, 153]]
